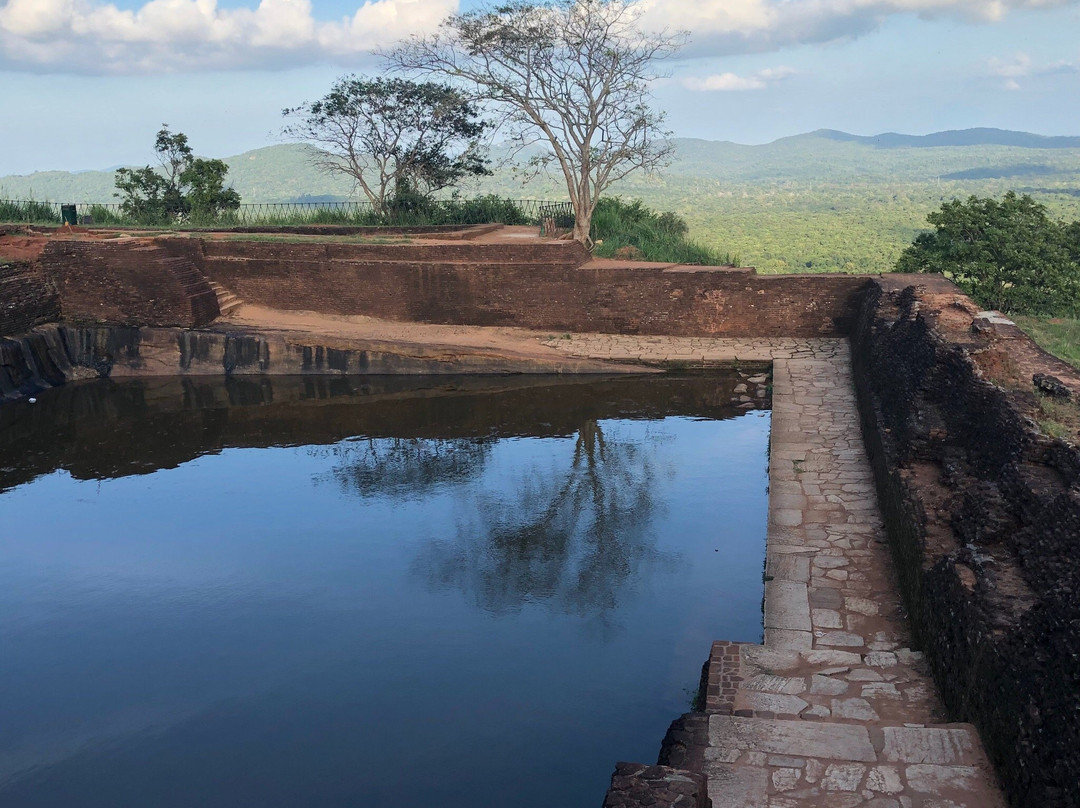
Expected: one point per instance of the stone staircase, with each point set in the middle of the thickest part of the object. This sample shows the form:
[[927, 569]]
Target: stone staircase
[[128, 281], [227, 301], [825, 729], [196, 287], [834, 710]]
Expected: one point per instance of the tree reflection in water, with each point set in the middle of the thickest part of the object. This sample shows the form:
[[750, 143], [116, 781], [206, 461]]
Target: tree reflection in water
[[405, 468], [570, 539]]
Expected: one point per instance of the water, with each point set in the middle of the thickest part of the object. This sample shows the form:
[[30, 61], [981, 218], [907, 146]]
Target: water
[[365, 592]]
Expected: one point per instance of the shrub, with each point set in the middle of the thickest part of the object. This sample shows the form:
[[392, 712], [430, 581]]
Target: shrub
[[29, 212], [656, 236], [1007, 255]]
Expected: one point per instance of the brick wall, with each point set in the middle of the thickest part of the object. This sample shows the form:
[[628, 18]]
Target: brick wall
[[27, 298], [537, 286], [983, 514], [127, 283]]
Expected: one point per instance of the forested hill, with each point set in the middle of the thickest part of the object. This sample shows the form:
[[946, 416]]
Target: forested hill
[[283, 173], [823, 200], [953, 137]]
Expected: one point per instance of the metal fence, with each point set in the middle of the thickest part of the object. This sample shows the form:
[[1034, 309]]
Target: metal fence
[[481, 210]]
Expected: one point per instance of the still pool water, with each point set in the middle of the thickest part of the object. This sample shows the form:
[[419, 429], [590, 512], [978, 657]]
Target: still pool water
[[366, 592]]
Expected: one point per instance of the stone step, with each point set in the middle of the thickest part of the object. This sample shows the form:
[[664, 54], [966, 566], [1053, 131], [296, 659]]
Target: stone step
[[774, 763], [820, 684], [227, 301], [832, 684]]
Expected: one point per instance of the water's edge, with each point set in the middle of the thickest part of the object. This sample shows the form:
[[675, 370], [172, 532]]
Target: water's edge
[[52, 355]]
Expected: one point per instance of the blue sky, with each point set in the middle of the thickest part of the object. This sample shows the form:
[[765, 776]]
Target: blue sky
[[86, 83]]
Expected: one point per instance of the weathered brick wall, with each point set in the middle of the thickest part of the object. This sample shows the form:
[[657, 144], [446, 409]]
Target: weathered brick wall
[[127, 283], [27, 298], [984, 516], [538, 286]]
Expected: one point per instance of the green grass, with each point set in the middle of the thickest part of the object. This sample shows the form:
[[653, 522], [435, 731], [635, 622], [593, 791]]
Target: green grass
[[1058, 335], [411, 212], [1056, 418], [292, 238], [618, 224], [29, 212]]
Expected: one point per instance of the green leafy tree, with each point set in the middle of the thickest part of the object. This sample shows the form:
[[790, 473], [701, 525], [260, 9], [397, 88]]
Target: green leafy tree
[[571, 79], [1072, 241], [400, 141], [1008, 255], [185, 186]]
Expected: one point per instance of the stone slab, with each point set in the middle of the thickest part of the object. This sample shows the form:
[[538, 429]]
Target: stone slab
[[769, 659], [770, 683], [783, 639], [788, 567], [830, 657], [796, 738], [929, 745], [776, 703], [787, 605], [930, 779], [733, 786]]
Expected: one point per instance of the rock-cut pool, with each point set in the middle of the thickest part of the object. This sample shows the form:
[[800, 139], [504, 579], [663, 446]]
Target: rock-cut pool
[[367, 592]]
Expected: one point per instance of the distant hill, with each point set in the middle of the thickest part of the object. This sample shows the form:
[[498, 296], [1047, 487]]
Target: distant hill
[[954, 137], [284, 173], [271, 174]]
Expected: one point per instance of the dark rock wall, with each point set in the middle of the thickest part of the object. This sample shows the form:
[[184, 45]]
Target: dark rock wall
[[984, 516], [637, 786], [27, 298]]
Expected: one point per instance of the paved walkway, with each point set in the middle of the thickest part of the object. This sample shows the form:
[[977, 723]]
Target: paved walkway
[[834, 710]]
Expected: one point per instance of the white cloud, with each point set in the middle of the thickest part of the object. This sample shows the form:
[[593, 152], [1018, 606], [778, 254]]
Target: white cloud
[[1015, 67], [720, 27], [1020, 66], [174, 35], [177, 35], [728, 82]]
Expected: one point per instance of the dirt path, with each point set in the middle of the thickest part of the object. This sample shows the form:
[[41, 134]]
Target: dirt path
[[346, 330]]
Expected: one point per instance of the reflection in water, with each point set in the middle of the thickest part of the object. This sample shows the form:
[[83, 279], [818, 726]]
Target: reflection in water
[[404, 467], [570, 538], [366, 592]]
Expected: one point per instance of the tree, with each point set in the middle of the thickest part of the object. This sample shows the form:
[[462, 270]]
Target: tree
[[184, 186], [1007, 255], [572, 76], [395, 138]]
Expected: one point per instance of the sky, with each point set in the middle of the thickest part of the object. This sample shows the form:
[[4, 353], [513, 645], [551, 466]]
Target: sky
[[85, 84]]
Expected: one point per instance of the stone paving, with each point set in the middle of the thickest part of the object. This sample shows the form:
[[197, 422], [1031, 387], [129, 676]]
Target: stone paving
[[834, 709]]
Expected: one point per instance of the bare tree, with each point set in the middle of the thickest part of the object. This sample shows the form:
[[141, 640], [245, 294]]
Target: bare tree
[[392, 137], [573, 76]]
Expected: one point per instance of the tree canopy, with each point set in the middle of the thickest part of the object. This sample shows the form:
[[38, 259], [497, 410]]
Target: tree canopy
[[184, 186], [572, 77], [395, 138], [1008, 255]]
